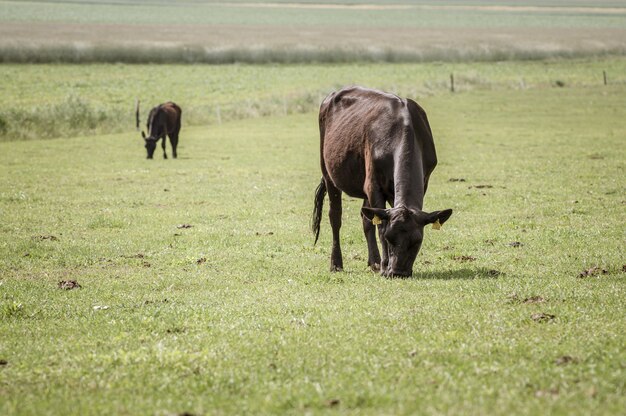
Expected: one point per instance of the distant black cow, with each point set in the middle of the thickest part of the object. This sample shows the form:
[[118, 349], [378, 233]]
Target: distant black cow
[[378, 147], [164, 119]]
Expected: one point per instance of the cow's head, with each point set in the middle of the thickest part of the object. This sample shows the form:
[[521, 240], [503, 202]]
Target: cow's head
[[403, 231], [151, 143]]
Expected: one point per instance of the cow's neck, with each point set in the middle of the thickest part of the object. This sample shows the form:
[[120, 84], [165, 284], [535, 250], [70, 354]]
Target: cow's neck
[[408, 175]]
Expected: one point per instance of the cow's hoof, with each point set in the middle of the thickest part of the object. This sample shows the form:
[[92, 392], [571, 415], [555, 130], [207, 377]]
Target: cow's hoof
[[395, 275], [375, 267], [334, 268]]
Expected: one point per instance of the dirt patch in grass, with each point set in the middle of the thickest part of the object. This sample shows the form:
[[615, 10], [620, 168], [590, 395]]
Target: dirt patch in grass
[[515, 244], [46, 237], [594, 271], [133, 256], [565, 359], [333, 403], [542, 317], [534, 299], [184, 226], [515, 298], [464, 259], [69, 284]]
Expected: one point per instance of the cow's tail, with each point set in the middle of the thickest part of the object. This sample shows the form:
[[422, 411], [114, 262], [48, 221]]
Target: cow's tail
[[316, 219]]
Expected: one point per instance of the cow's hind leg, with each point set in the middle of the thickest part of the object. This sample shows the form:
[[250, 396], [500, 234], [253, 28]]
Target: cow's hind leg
[[174, 143], [373, 255], [334, 213], [174, 140], [384, 265], [163, 145]]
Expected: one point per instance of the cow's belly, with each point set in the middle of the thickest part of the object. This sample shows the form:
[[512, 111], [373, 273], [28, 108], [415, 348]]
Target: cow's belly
[[346, 168]]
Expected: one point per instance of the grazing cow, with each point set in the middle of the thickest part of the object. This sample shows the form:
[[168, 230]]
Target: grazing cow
[[377, 147], [164, 119]]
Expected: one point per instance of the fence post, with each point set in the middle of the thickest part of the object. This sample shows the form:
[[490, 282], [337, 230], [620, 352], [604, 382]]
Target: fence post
[[604, 73], [451, 82]]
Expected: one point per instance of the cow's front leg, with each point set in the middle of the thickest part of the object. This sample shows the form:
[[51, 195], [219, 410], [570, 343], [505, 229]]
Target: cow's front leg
[[334, 213], [384, 263], [373, 256], [377, 200], [384, 269]]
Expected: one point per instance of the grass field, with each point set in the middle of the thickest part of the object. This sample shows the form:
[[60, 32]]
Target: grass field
[[296, 32], [65, 100], [201, 291], [239, 314]]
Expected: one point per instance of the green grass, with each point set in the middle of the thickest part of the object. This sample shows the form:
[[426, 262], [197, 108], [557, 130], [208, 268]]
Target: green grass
[[262, 327], [101, 98]]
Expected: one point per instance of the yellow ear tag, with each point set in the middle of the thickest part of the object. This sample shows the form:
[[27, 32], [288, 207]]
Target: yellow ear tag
[[376, 220], [437, 225]]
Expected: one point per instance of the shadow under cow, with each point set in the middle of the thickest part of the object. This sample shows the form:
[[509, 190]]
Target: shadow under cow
[[459, 274]]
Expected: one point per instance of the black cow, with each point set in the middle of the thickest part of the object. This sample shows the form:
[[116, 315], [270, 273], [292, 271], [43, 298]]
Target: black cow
[[164, 119], [378, 147]]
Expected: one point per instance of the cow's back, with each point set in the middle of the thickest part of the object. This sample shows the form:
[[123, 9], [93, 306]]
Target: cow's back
[[172, 112], [165, 117], [358, 128], [353, 114]]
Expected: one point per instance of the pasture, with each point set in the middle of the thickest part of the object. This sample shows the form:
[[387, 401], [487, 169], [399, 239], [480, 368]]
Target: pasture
[[201, 290], [259, 31], [67, 100]]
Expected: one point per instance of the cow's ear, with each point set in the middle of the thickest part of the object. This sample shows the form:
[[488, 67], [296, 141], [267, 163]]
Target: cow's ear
[[432, 217], [373, 213], [143, 134]]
